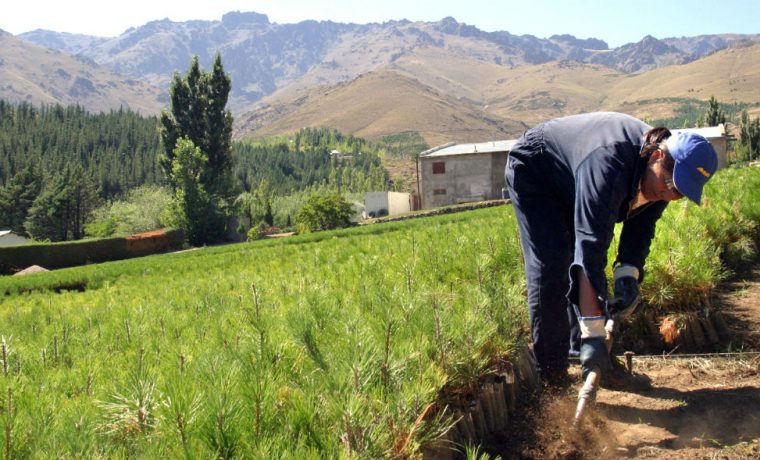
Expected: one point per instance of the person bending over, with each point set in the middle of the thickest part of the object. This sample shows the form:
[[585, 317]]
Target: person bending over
[[571, 180]]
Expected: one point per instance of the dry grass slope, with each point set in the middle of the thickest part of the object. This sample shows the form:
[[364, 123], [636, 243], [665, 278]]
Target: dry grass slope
[[731, 75], [37, 75], [381, 103], [450, 96]]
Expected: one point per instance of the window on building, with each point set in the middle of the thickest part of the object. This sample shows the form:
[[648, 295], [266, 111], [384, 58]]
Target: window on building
[[439, 191], [439, 167]]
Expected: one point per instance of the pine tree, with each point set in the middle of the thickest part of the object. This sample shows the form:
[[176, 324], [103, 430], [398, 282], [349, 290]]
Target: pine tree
[[17, 198], [714, 115], [749, 130], [47, 219], [60, 211]]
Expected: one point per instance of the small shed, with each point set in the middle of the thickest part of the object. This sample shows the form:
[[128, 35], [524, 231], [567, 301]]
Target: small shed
[[379, 204], [452, 174], [10, 238]]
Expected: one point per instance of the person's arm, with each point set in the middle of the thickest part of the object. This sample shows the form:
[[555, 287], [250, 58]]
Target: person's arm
[[588, 301], [601, 185], [637, 235]]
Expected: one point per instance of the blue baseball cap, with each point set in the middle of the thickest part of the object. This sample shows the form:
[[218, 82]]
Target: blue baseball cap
[[696, 162]]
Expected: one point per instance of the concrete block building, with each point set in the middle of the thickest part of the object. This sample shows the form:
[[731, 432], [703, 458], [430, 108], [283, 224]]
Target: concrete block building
[[452, 174]]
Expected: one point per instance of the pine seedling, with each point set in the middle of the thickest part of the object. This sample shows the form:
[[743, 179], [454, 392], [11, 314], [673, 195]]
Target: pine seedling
[[439, 335], [133, 413], [9, 410], [141, 361], [4, 356], [182, 406], [385, 372], [221, 430]]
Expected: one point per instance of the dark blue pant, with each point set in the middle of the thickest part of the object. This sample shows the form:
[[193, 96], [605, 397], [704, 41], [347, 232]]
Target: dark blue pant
[[547, 236]]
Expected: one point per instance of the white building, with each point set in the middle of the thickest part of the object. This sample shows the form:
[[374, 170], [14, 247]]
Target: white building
[[9, 238], [379, 204]]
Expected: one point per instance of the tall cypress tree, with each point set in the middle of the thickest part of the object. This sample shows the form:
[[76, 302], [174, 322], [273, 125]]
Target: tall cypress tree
[[198, 113], [714, 115]]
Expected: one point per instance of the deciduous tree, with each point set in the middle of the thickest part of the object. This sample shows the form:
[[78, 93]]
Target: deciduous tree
[[194, 208], [324, 212]]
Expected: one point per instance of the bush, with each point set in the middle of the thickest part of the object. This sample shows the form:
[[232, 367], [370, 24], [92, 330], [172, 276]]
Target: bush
[[144, 209], [257, 231], [324, 212]]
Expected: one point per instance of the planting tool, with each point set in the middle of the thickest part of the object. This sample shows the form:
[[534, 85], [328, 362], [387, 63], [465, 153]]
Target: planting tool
[[587, 395]]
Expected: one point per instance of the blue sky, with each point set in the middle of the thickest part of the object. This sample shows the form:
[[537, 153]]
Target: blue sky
[[616, 22]]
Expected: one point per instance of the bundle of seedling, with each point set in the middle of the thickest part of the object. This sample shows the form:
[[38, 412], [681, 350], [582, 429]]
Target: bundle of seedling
[[695, 248]]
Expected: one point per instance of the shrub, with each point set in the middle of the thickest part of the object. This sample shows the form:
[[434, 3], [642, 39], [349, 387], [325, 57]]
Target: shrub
[[143, 209], [324, 212]]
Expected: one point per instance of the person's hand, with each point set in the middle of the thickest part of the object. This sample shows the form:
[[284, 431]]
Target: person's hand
[[594, 352], [627, 296], [594, 356]]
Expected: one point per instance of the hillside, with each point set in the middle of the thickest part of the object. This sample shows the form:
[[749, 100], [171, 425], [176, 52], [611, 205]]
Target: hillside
[[378, 104], [731, 75], [39, 75], [457, 98], [537, 93], [446, 80]]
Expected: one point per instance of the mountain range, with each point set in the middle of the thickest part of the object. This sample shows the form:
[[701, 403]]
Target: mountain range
[[445, 80]]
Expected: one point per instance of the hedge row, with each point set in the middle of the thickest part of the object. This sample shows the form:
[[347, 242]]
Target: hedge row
[[73, 253]]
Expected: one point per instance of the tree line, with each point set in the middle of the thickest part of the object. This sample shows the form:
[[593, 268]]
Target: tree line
[[66, 173], [117, 149]]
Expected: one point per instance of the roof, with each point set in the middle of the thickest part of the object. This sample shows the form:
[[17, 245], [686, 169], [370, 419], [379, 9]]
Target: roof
[[469, 149], [708, 132]]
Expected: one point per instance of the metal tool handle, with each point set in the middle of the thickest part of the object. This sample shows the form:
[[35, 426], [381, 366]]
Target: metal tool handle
[[587, 395]]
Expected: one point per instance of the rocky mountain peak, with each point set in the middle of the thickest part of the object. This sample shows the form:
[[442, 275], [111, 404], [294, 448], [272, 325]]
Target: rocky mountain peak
[[589, 43], [237, 19]]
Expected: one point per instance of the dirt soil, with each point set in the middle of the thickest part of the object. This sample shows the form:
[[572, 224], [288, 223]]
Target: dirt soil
[[699, 407]]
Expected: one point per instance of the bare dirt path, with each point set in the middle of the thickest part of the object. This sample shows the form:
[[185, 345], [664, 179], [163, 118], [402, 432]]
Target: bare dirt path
[[699, 407]]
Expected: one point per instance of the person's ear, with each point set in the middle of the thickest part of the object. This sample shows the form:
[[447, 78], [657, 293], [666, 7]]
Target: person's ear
[[656, 155]]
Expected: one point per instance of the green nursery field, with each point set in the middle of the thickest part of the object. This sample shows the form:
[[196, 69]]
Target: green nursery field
[[325, 345]]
